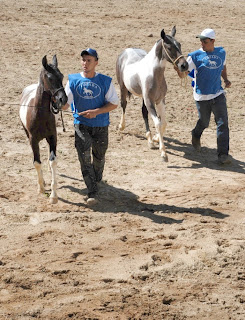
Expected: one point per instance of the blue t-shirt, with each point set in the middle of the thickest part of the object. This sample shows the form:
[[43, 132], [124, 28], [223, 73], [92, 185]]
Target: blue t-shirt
[[209, 66], [89, 93]]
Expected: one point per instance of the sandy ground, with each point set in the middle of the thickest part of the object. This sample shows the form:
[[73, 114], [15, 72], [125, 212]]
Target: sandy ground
[[167, 239]]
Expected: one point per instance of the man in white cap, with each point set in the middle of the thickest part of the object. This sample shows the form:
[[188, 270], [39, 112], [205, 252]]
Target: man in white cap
[[91, 96], [206, 66]]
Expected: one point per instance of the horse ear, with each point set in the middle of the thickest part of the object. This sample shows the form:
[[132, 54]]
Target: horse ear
[[173, 32], [44, 62], [46, 65], [55, 61], [163, 34]]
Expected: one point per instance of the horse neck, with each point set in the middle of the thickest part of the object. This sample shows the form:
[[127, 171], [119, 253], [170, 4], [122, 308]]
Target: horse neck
[[157, 60], [159, 52], [43, 98]]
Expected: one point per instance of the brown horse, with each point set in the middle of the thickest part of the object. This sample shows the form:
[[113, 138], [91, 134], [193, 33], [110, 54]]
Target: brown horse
[[39, 104], [142, 74]]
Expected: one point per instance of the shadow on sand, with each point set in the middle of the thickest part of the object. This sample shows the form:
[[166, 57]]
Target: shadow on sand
[[206, 158], [117, 200]]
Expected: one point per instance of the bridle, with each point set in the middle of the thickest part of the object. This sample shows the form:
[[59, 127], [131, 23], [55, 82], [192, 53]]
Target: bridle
[[173, 61], [57, 90], [53, 108], [174, 64]]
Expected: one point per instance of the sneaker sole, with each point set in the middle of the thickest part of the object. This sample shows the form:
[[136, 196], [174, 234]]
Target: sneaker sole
[[92, 201]]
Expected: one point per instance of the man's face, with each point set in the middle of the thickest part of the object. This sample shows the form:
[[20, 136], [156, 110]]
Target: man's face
[[207, 44], [89, 63]]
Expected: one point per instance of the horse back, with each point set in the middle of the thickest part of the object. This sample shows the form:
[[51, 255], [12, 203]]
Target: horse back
[[37, 122], [126, 66], [27, 98]]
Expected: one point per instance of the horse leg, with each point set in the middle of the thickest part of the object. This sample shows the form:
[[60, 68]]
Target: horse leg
[[147, 127], [162, 126], [48, 164], [52, 141], [123, 106], [37, 164]]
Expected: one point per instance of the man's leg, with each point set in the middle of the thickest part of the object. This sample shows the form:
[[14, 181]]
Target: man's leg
[[204, 113], [83, 143], [99, 147], [221, 119]]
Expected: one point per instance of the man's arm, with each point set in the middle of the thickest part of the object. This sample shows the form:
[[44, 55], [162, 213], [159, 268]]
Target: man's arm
[[225, 77], [69, 96]]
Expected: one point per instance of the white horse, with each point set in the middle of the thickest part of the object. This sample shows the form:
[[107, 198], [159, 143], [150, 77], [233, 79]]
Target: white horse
[[142, 74]]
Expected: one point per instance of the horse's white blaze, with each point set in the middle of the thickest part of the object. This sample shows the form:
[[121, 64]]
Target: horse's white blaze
[[53, 195], [27, 94], [40, 179]]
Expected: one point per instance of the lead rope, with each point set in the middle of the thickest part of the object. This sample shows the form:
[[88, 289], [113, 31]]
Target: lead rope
[[63, 125], [184, 79], [18, 104]]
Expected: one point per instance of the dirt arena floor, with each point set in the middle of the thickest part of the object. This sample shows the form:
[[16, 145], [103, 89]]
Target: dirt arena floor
[[166, 240]]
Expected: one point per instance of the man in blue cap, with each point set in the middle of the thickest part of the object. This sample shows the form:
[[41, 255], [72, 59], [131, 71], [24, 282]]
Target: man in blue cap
[[91, 96], [207, 65]]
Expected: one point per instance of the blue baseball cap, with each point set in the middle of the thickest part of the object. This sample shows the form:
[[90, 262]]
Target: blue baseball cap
[[90, 52]]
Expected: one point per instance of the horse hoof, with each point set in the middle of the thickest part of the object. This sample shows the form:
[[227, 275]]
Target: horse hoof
[[53, 200], [121, 128], [41, 190], [164, 158], [151, 145], [156, 138]]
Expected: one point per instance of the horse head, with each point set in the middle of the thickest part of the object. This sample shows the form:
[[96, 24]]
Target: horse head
[[172, 50], [52, 81]]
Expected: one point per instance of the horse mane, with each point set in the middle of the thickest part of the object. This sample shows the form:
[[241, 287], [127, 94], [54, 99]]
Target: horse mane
[[159, 53]]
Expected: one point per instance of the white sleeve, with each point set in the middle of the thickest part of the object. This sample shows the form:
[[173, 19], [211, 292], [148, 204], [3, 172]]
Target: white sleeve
[[191, 64], [111, 95], [69, 93]]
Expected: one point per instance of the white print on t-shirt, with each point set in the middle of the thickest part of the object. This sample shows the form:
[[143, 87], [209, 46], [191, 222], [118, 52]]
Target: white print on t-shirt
[[88, 90], [212, 62]]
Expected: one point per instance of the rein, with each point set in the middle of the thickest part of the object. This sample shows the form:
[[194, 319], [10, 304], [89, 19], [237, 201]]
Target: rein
[[27, 105]]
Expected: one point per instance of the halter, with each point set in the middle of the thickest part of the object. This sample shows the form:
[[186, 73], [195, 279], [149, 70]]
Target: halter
[[173, 61], [53, 108], [57, 90]]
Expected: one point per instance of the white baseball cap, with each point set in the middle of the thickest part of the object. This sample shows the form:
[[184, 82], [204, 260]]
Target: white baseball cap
[[207, 34]]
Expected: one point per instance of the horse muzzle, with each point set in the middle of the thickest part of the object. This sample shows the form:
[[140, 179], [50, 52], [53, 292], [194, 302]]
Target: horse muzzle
[[182, 66], [58, 101]]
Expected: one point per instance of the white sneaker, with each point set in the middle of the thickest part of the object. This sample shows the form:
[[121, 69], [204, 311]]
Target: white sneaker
[[92, 201]]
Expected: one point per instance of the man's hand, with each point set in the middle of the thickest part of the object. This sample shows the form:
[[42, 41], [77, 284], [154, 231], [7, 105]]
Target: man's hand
[[180, 74], [89, 114], [227, 83]]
